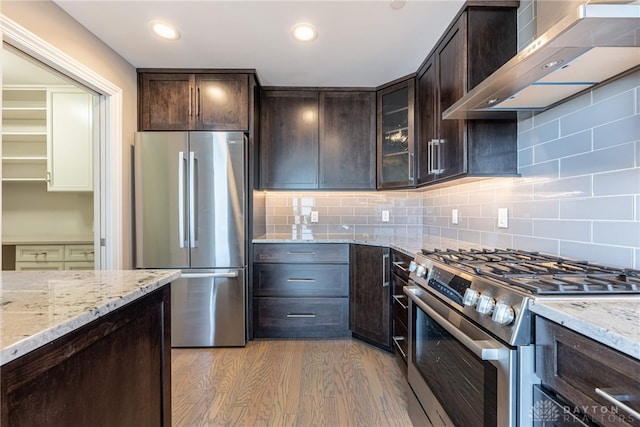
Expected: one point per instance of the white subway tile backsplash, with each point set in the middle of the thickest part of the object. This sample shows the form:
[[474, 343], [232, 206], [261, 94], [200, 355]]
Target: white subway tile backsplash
[[604, 254], [525, 157], [536, 244], [598, 208], [580, 186], [496, 240], [617, 132], [538, 135], [549, 169], [609, 110], [562, 147], [536, 209], [616, 87], [608, 159], [563, 230], [617, 233], [617, 182]]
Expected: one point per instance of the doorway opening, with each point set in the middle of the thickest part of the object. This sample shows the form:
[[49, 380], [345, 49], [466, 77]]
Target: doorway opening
[[106, 165]]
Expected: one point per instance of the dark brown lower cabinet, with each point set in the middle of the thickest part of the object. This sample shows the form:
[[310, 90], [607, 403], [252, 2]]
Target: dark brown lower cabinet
[[399, 307], [114, 371], [300, 290], [370, 310], [588, 375]]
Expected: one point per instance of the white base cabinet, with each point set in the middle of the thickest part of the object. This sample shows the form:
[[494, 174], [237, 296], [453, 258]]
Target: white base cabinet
[[54, 257]]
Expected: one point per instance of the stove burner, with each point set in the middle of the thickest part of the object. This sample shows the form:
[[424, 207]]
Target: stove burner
[[541, 274]]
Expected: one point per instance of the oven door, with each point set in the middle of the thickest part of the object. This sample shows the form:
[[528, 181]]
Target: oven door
[[460, 374]]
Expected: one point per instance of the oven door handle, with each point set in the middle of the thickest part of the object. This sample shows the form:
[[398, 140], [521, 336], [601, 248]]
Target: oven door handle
[[484, 349]]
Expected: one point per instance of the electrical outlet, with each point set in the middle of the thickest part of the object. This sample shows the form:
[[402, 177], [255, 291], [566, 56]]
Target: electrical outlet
[[385, 216], [454, 216], [314, 216], [503, 218]]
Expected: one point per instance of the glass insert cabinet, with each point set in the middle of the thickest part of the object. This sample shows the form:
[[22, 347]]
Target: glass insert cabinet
[[396, 135]]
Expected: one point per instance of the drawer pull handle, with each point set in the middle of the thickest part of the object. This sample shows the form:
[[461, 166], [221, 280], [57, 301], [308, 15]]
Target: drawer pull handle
[[614, 398], [301, 315], [396, 341], [301, 253], [400, 265], [300, 279], [400, 300]]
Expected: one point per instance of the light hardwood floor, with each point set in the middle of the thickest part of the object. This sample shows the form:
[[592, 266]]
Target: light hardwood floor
[[337, 383]]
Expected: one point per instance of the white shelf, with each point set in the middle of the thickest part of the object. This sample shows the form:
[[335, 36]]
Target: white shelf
[[23, 159]]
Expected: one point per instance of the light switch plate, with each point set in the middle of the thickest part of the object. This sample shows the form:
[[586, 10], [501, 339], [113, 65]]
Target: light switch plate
[[503, 218], [314, 216], [385, 216], [454, 216]]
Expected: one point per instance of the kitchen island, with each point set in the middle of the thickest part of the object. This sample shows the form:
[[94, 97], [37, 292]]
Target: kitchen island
[[85, 348]]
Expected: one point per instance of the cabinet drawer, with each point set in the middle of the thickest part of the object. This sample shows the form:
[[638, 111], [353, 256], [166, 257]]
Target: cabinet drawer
[[575, 366], [301, 252], [301, 280], [39, 253], [301, 317], [78, 253], [39, 266], [79, 265]]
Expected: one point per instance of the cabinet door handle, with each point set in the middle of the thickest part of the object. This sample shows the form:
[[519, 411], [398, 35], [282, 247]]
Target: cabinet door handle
[[190, 100], [300, 279], [410, 166], [301, 315], [48, 178], [431, 159], [440, 155], [301, 253], [198, 101], [613, 397], [385, 270]]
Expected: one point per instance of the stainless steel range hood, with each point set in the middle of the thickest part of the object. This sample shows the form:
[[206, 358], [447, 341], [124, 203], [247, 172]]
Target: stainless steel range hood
[[590, 44]]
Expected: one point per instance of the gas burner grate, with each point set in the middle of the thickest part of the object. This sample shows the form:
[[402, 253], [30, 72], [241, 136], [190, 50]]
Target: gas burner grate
[[541, 274]]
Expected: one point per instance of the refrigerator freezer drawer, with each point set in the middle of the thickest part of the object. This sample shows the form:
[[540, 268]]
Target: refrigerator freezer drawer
[[208, 309]]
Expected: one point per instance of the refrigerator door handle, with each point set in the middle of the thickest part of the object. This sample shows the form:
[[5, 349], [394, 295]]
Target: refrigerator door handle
[[230, 274], [181, 198], [192, 200]]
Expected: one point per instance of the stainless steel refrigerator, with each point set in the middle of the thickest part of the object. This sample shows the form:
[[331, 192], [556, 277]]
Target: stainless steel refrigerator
[[190, 214]]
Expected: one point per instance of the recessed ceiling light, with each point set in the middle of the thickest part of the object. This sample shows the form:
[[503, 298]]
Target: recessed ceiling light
[[304, 32], [397, 4], [164, 30]]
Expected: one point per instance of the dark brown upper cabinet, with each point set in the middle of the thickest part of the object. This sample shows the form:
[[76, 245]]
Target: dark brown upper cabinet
[[396, 161], [289, 139], [347, 140], [317, 139], [478, 42], [193, 101]]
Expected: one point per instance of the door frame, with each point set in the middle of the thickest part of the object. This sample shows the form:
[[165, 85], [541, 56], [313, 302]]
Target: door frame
[[108, 221]]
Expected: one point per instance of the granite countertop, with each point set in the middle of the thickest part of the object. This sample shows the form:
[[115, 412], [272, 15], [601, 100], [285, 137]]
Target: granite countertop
[[614, 322], [36, 307], [407, 244]]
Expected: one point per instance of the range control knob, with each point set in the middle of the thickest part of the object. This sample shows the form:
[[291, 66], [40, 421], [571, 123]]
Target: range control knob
[[421, 270], [470, 297], [485, 305], [503, 314], [412, 266]]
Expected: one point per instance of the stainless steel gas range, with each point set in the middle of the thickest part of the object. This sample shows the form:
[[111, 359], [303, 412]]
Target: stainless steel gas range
[[471, 349]]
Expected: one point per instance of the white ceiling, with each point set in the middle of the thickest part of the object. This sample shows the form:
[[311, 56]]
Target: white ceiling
[[360, 43]]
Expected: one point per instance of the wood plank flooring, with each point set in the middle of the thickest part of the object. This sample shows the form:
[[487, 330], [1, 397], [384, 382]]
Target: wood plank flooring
[[337, 383]]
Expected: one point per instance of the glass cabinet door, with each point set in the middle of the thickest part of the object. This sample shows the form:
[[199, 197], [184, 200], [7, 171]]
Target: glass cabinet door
[[395, 136]]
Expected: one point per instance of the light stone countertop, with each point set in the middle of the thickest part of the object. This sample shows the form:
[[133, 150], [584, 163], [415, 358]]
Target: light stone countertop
[[614, 322], [36, 307], [410, 245]]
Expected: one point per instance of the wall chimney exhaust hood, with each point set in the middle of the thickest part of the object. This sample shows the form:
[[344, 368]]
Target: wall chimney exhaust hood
[[588, 45]]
